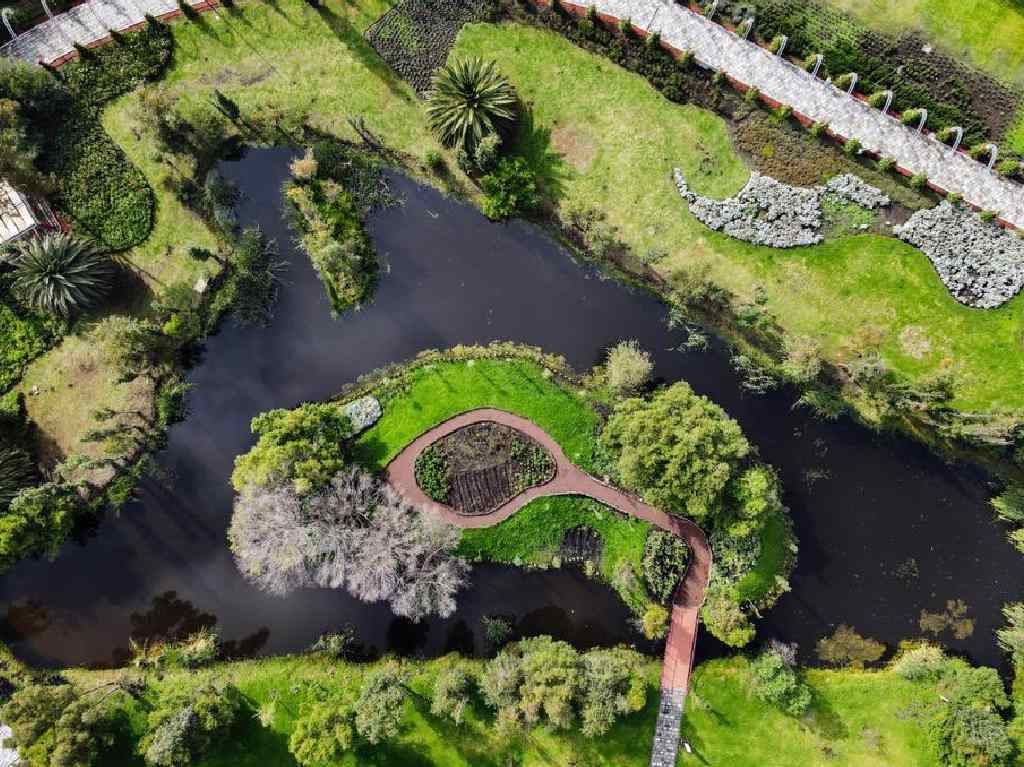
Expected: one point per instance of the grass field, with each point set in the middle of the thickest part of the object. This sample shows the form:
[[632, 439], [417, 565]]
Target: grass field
[[986, 33], [846, 294], [859, 719], [437, 392]]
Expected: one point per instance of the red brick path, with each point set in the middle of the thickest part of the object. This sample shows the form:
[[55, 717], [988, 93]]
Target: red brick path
[[569, 479]]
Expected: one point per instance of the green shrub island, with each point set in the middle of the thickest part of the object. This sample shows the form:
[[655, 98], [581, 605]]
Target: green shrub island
[[665, 559], [334, 189]]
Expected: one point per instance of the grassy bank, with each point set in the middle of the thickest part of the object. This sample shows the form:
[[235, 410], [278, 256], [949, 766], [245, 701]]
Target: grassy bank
[[987, 33], [858, 719]]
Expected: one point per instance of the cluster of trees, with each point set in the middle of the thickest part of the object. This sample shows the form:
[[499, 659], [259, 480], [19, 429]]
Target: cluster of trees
[[777, 680], [473, 109], [967, 726], [65, 726], [354, 533], [682, 453]]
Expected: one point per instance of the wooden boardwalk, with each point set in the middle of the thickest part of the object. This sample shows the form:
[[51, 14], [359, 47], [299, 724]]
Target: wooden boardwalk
[[569, 479]]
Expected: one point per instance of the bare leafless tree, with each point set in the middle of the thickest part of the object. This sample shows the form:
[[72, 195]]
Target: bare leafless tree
[[358, 534]]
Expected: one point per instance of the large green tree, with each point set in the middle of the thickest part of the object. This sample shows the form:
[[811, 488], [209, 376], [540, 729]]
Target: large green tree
[[678, 450]]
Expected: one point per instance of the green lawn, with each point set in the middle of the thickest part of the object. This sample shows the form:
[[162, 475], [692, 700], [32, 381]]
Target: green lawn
[[435, 393], [856, 290], [859, 719], [987, 33], [533, 535]]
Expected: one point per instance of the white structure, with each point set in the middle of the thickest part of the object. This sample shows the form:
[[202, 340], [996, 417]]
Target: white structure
[[20, 217], [8, 756]]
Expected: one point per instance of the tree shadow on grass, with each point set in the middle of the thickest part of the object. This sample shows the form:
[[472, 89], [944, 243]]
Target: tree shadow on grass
[[533, 144], [825, 721], [364, 52]]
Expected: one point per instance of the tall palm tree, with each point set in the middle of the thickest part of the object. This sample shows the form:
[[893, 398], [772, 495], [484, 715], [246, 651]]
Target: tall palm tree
[[469, 100], [61, 275]]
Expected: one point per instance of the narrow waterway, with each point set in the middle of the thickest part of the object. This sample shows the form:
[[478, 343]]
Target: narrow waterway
[[886, 529]]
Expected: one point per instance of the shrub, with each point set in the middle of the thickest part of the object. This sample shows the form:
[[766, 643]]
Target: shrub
[[954, 198], [1008, 167], [468, 101], [725, 619], [304, 168], [818, 129], [185, 723], [59, 275], [435, 161], [486, 155], [432, 474], [626, 27], [848, 648], [803, 362], [782, 113], [979, 151], [380, 707], [452, 690], [654, 623], [340, 645], [809, 62], [919, 181], [685, 59], [885, 164], [920, 663], [304, 446], [852, 147], [752, 95], [988, 216], [878, 99], [665, 559], [718, 77], [844, 81], [911, 116], [254, 280], [778, 683], [678, 450], [497, 630], [511, 190], [1009, 505], [322, 734], [628, 367]]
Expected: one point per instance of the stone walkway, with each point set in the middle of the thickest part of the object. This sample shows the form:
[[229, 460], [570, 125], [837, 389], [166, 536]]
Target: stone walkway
[[715, 47], [569, 479], [53, 40]]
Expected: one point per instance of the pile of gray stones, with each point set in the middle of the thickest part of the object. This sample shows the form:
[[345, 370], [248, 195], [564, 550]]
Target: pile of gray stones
[[768, 212], [980, 263]]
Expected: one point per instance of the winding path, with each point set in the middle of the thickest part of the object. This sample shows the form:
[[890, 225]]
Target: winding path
[[569, 479]]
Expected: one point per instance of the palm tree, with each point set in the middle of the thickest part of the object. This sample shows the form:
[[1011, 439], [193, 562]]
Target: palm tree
[[61, 275], [469, 100], [16, 473]]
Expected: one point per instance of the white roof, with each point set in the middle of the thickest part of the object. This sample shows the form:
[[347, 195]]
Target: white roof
[[16, 217]]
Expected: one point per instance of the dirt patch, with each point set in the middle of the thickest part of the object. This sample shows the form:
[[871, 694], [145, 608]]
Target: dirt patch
[[478, 468], [575, 146], [914, 342]]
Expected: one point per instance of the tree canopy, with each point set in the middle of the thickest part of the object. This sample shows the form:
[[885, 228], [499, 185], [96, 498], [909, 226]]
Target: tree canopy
[[678, 450]]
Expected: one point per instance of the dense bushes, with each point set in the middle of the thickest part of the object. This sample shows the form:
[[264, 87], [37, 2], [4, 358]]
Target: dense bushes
[[23, 337], [665, 559], [185, 724], [334, 188], [679, 450], [304, 446], [778, 682], [541, 681], [432, 473], [38, 520], [628, 367], [98, 185], [510, 190]]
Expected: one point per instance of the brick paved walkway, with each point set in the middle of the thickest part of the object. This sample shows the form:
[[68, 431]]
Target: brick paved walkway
[[569, 479], [715, 47]]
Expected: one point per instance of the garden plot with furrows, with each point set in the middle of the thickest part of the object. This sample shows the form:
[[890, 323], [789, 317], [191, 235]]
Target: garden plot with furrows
[[479, 467], [415, 36]]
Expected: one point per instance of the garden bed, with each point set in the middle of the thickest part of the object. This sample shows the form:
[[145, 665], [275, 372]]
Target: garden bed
[[478, 468]]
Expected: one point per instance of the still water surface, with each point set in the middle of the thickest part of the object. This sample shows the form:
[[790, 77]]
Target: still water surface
[[886, 530]]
